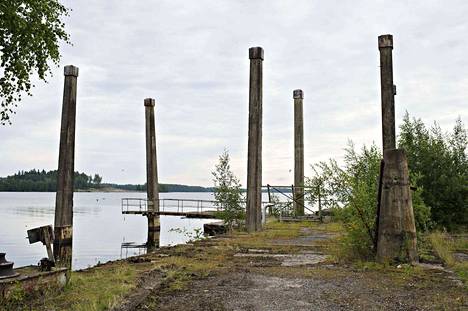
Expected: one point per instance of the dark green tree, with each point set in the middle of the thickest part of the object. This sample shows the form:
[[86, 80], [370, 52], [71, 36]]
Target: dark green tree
[[30, 34], [35, 180], [440, 163], [97, 179]]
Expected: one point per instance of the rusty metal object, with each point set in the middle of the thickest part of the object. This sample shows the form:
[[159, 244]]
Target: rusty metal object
[[45, 264], [6, 268]]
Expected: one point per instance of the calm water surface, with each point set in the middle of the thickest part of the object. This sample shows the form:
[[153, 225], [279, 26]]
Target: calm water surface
[[99, 228]]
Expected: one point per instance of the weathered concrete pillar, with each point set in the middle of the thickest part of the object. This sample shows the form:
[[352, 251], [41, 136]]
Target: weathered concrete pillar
[[152, 189], [63, 223], [397, 230], [254, 162], [388, 91], [298, 96]]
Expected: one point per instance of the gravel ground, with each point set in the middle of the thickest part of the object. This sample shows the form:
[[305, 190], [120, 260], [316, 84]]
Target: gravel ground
[[263, 279], [254, 291]]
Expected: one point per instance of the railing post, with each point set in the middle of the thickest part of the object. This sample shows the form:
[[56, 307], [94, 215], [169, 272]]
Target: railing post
[[320, 202], [63, 229]]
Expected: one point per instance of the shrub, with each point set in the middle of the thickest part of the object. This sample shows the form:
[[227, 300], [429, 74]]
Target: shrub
[[228, 192], [351, 192]]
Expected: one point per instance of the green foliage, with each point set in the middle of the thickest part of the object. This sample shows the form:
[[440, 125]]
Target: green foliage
[[351, 191], [279, 208], [97, 179], [440, 163], [421, 211], [228, 192], [42, 181], [30, 34]]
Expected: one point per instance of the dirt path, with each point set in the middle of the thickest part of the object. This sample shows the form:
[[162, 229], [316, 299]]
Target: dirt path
[[285, 271]]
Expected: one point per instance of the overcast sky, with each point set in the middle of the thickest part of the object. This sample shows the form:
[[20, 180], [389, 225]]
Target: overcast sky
[[192, 57]]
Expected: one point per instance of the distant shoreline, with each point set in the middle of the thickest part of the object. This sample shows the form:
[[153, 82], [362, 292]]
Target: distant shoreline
[[115, 190]]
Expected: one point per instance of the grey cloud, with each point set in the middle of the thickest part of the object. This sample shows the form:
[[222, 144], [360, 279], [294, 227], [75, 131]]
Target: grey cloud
[[192, 57]]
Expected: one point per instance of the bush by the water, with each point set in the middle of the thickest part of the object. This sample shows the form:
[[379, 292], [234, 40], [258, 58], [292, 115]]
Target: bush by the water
[[228, 192]]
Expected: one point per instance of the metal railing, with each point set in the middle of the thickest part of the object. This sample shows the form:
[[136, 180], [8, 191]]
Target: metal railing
[[172, 205], [134, 204]]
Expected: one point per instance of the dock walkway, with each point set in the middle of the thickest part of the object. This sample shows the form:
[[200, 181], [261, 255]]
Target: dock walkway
[[173, 207]]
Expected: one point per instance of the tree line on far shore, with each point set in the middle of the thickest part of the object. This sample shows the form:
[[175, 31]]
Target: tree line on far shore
[[46, 181]]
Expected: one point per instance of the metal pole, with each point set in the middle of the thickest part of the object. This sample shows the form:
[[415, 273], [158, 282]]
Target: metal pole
[[254, 161], [63, 222], [320, 202]]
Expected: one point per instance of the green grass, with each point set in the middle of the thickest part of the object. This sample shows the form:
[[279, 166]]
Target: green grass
[[97, 289], [444, 246]]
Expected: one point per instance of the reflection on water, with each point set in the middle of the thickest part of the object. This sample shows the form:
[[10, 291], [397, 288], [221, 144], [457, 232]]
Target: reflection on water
[[100, 229]]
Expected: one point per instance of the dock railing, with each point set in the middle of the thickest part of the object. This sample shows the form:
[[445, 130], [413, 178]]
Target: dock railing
[[172, 205]]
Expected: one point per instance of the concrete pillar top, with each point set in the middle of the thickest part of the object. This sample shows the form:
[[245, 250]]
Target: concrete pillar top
[[150, 102], [298, 94], [256, 53], [70, 70], [386, 41]]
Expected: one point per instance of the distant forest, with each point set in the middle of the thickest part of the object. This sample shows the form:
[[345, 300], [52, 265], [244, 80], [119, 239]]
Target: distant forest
[[42, 181]]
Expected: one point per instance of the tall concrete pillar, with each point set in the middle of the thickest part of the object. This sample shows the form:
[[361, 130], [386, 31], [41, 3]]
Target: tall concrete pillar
[[63, 223], [298, 96], [396, 228], [254, 161], [152, 189], [388, 91]]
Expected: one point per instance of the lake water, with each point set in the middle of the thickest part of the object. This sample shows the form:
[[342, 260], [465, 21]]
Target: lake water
[[99, 228]]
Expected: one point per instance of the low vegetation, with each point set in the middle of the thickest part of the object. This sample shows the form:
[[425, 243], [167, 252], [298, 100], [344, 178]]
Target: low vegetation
[[446, 248]]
